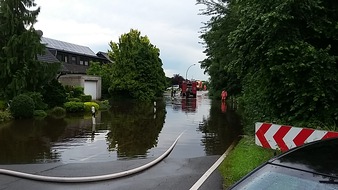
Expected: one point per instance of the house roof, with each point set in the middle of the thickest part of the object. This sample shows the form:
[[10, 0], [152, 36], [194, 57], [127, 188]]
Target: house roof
[[65, 46], [104, 55], [48, 57], [55, 46]]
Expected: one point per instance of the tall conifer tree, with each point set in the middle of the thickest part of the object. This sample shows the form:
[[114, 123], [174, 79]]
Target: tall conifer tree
[[20, 71]]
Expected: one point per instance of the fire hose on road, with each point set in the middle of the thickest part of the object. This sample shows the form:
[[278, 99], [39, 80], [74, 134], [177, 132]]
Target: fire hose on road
[[89, 178]]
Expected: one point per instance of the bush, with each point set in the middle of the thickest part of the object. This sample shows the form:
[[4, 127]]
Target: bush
[[86, 98], [54, 94], [3, 105], [22, 106], [104, 105], [74, 107], [74, 100], [78, 91], [58, 112], [40, 113], [88, 106], [68, 88], [5, 116], [38, 100], [74, 92]]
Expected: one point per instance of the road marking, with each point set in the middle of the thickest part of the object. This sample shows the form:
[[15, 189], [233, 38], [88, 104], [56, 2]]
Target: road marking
[[205, 176]]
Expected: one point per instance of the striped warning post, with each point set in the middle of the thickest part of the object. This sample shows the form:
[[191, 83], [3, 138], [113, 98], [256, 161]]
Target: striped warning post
[[285, 137]]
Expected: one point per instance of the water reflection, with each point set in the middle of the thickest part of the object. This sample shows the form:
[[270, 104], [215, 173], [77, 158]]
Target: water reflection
[[189, 105], [220, 128], [134, 127], [29, 141], [128, 130], [183, 104]]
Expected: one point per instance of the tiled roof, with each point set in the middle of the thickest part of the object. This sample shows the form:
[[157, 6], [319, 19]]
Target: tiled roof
[[48, 57], [104, 55], [65, 46]]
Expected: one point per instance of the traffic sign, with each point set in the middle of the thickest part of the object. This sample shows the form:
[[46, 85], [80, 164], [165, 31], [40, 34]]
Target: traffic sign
[[285, 137]]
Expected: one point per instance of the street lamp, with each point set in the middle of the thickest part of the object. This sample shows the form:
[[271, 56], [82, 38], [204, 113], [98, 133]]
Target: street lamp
[[186, 73]]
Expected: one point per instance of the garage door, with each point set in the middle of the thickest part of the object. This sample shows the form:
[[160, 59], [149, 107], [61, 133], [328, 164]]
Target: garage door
[[90, 88]]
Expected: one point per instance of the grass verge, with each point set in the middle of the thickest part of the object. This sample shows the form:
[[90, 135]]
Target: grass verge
[[245, 157]]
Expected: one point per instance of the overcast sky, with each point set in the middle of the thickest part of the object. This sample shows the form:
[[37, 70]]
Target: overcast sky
[[173, 26]]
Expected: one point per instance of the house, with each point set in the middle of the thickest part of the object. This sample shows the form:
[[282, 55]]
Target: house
[[104, 55], [75, 60]]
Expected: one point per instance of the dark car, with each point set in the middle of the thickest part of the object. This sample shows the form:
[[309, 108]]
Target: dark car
[[311, 166]]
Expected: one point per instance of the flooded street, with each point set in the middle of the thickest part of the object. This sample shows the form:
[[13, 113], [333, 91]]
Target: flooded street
[[129, 130]]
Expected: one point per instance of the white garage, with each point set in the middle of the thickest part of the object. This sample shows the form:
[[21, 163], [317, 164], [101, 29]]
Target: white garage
[[90, 88], [91, 84]]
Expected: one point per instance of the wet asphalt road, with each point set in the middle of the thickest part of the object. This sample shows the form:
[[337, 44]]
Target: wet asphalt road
[[171, 173]]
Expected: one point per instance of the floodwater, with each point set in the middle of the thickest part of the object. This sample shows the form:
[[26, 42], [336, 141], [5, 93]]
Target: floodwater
[[129, 130]]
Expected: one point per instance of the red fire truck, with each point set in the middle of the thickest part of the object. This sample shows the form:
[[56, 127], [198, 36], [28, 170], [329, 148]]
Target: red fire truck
[[189, 89], [199, 85]]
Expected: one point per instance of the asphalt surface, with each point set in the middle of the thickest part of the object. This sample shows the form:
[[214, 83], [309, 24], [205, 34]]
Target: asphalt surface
[[171, 173]]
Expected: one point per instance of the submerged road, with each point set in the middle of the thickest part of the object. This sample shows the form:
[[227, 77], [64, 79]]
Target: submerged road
[[181, 169], [174, 172]]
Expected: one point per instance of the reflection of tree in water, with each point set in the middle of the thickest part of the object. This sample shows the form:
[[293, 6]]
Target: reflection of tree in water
[[135, 127], [29, 141], [220, 129]]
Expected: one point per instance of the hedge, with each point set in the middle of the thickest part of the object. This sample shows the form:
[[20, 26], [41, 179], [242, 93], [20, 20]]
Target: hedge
[[74, 107]]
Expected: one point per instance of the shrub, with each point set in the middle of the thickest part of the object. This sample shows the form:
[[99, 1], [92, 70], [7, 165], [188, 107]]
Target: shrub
[[58, 112], [38, 100], [74, 100], [3, 105], [5, 116], [22, 106], [74, 107], [68, 88], [104, 105], [88, 106], [40, 113], [86, 98], [54, 94], [78, 91], [74, 92]]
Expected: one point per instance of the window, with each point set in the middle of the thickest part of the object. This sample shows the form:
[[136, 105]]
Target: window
[[82, 60], [62, 57], [74, 60]]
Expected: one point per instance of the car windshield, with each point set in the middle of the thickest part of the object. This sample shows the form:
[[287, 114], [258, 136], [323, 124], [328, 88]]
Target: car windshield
[[272, 177]]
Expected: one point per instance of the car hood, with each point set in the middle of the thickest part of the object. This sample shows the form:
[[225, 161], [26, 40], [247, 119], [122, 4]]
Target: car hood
[[317, 157]]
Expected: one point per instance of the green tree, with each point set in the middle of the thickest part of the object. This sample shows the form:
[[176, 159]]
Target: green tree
[[20, 70], [284, 54], [104, 71], [215, 34], [137, 70], [54, 94], [292, 46]]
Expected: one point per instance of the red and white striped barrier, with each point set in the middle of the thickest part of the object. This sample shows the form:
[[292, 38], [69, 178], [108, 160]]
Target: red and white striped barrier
[[286, 137]]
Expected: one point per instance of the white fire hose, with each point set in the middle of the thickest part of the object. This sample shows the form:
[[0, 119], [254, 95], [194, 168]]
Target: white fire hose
[[89, 178]]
